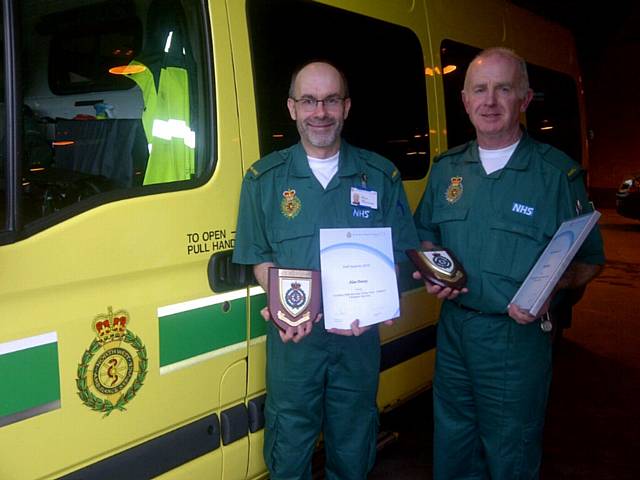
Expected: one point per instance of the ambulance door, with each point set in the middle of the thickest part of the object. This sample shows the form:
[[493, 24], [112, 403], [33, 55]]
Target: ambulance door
[[257, 327], [121, 177]]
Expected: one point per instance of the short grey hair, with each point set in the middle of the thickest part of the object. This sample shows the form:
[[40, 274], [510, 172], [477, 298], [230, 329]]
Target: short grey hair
[[523, 85]]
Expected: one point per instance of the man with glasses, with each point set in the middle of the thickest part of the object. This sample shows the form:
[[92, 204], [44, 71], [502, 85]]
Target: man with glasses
[[319, 380]]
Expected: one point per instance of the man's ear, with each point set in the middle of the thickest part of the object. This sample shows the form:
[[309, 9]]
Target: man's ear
[[291, 105], [526, 101], [347, 107]]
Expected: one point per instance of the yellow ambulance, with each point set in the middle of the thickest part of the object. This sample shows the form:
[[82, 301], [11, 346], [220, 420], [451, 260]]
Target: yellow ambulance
[[130, 346]]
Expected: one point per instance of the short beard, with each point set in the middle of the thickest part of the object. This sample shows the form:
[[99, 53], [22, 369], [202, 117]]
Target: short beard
[[320, 140]]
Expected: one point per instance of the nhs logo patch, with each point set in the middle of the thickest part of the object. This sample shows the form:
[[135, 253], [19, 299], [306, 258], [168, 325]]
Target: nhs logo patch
[[361, 213], [523, 209]]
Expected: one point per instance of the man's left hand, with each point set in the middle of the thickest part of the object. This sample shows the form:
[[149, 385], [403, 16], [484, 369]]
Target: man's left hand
[[355, 330], [523, 317]]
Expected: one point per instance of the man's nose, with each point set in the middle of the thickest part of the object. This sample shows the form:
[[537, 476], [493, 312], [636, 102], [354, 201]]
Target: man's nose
[[320, 107], [490, 97]]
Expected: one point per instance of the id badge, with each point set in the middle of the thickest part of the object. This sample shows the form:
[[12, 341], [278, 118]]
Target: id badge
[[361, 197]]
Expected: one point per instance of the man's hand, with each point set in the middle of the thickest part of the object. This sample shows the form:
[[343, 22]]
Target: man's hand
[[443, 293], [523, 317], [292, 333], [356, 330]]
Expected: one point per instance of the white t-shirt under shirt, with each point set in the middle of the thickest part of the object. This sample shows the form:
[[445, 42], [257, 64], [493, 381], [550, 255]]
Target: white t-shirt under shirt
[[324, 168], [494, 160]]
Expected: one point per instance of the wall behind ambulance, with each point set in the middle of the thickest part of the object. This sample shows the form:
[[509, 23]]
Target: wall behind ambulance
[[608, 42]]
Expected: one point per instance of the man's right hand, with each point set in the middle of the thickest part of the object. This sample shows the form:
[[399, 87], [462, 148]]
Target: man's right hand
[[443, 293]]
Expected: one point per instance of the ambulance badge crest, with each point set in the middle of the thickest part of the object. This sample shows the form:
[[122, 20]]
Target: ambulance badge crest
[[454, 191], [113, 369], [290, 205]]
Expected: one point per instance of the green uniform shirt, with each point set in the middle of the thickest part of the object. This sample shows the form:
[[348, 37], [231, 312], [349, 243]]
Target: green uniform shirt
[[497, 225], [283, 206]]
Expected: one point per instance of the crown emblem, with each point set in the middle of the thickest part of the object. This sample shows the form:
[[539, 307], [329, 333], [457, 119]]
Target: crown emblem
[[455, 189], [111, 326], [290, 205], [295, 286], [114, 366]]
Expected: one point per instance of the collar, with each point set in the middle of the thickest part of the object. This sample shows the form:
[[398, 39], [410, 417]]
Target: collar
[[522, 156], [519, 160], [347, 164]]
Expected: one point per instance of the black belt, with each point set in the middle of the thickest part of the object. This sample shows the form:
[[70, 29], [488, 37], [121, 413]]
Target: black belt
[[468, 309]]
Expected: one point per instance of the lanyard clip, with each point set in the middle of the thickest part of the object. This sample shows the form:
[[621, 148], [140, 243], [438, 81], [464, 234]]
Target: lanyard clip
[[363, 179]]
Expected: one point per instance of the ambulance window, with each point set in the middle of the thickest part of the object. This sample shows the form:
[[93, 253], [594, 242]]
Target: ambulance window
[[3, 140], [81, 59], [383, 63], [458, 55], [116, 103], [553, 116]]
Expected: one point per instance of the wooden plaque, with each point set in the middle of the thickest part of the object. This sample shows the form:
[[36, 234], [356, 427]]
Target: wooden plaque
[[295, 296], [439, 266]]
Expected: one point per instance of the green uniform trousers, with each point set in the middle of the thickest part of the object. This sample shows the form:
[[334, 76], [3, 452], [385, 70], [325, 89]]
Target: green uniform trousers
[[490, 393], [326, 383]]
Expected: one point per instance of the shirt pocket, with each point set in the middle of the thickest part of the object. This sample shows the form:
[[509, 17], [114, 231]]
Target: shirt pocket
[[513, 248], [295, 246], [451, 225]]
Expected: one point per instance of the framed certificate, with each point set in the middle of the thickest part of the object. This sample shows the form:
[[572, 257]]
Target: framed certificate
[[358, 276], [553, 262]]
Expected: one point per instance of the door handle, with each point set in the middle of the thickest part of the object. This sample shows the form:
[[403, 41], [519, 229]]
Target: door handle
[[224, 275]]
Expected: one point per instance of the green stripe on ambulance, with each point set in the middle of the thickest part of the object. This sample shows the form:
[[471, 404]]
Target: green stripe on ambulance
[[30, 377]]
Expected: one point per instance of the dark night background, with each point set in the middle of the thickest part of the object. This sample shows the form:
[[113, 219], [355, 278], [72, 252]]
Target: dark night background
[[608, 43]]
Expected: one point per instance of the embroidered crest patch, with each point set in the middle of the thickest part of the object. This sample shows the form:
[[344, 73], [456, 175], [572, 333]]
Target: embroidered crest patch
[[454, 191], [290, 205]]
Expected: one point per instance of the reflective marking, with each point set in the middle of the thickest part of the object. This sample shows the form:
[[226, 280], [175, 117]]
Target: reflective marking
[[200, 302], [30, 377], [206, 301], [167, 44], [169, 129], [201, 358], [29, 342], [198, 330], [256, 291]]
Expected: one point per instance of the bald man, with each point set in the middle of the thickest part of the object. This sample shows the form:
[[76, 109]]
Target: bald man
[[319, 380], [496, 202]]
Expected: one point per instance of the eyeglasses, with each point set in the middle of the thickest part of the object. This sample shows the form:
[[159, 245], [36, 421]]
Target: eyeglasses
[[309, 104]]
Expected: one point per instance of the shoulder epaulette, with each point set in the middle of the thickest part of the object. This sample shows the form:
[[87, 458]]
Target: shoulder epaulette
[[452, 151], [267, 163], [380, 163], [560, 160]]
